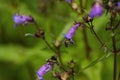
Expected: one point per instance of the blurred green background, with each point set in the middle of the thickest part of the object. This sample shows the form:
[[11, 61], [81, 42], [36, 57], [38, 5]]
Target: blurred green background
[[21, 57]]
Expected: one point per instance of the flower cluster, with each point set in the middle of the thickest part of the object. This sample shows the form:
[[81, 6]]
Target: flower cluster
[[71, 33], [22, 19], [97, 9], [44, 69]]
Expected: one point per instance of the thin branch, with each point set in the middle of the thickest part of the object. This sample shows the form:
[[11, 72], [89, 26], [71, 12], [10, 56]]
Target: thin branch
[[112, 19], [98, 38], [46, 42]]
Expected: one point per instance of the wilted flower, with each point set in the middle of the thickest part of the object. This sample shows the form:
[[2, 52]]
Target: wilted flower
[[71, 33], [22, 19], [97, 9], [44, 69]]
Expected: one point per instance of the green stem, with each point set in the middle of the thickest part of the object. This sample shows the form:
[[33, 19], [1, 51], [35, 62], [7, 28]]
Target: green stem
[[115, 56], [61, 67], [36, 25], [119, 76], [87, 47], [97, 37], [46, 42], [112, 19], [59, 56], [93, 31]]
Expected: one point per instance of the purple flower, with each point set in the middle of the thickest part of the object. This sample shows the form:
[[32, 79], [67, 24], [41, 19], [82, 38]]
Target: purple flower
[[118, 4], [71, 32], [69, 1], [97, 9], [44, 69], [22, 19], [118, 7]]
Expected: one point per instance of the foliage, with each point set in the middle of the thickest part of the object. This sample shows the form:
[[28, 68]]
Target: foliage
[[21, 57]]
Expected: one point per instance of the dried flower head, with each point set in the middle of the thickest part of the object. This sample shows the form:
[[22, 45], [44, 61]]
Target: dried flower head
[[44, 69], [97, 9], [71, 33], [22, 19]]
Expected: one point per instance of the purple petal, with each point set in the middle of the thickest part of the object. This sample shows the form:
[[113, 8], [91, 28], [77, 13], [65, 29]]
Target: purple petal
[[118, 4], [96, 10], [15, 25], [69, 1], [44, 69], [71, 31], [22, 19]]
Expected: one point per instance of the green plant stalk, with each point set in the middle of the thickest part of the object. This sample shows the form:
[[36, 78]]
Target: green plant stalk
[[56, 51], [115, 56], [95, 34], [119, 76], [87, 47], [46, 42], [101, 42], [112, 19]]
